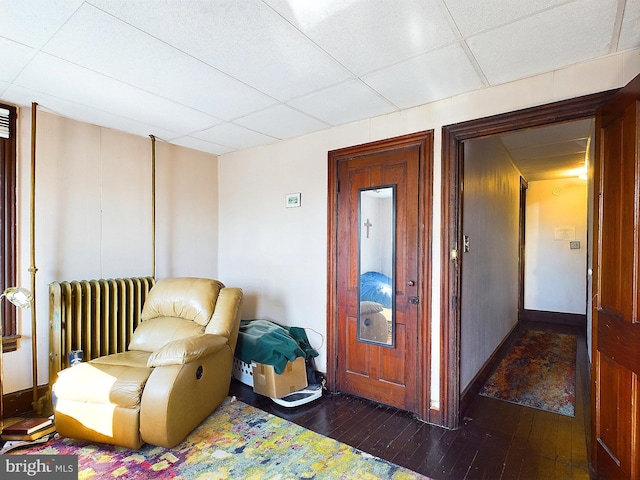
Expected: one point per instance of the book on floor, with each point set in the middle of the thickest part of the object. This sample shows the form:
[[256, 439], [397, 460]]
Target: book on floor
[[27, 426], [29, 437]]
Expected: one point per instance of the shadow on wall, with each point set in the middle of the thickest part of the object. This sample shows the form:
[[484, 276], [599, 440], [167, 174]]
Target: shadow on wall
[[259, 305]]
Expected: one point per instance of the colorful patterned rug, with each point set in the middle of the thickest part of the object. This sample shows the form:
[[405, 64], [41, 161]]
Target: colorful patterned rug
[[237, 441], [539, 371]]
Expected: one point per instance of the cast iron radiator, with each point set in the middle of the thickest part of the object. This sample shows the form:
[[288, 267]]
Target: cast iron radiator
[[95, 316]]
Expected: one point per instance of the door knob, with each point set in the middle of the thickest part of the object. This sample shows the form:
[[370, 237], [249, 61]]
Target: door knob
[[411, 283]]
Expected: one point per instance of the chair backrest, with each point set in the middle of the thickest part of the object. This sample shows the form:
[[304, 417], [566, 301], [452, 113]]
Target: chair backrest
[[183, 307], [187, 297]]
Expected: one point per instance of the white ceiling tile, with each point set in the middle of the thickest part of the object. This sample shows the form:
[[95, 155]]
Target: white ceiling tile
[[281, 122], [551, 134], [201, 145], [351, 30], [562, 166], [472, 17], [246, 39], [551, 150], [423, 79], [568, 34], [62, 79], [109, 46], [83, 113], [13, 58], [233, 136], [630, 31], [33, 22], [344, 103], [281, 68]]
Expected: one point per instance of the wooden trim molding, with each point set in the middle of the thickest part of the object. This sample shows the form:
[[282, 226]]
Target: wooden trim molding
[[487, 369], [453, 138], [558, 318], [8, 230], [21, 402]]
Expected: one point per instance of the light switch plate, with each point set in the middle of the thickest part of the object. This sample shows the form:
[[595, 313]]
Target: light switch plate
[[575, 245]]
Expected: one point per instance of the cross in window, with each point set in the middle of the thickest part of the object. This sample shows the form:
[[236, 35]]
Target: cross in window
[[368, 224]]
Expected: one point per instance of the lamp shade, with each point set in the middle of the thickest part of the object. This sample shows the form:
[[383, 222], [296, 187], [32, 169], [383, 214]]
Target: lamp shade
[[20, 297]]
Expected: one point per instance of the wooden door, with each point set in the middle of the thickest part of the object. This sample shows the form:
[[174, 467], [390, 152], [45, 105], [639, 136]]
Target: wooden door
[[616, 328], [383, 373]]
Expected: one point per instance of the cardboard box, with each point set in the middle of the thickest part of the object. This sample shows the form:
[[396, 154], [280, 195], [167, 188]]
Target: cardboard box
[[292, 379]]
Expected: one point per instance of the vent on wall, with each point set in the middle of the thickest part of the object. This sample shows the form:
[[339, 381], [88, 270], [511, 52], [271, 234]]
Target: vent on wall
[[4, 123]]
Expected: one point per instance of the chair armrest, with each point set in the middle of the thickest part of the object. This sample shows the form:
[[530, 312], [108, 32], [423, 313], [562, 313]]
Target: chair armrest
[[185, 350]]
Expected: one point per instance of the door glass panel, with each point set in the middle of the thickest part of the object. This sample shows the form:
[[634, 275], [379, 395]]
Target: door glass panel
[[376, 250]]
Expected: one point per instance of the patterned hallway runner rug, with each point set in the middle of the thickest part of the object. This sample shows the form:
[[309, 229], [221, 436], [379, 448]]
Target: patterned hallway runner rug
[[236, 441], [539, 371]]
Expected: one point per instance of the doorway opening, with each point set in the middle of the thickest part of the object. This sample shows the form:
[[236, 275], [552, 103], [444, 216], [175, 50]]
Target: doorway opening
[[526, 241], [453, 176]]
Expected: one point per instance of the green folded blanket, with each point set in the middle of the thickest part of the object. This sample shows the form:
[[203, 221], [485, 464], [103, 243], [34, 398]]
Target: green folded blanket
[[266, 342]]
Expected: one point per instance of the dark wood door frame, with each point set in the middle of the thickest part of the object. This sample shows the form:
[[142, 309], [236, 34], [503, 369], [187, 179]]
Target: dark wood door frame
[[453, 138], [524, 186], [424, 141]]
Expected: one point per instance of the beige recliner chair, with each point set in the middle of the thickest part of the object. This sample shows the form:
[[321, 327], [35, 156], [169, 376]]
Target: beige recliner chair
[[176, 371]]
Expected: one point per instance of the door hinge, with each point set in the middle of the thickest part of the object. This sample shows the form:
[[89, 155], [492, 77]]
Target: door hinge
[[454, 302]]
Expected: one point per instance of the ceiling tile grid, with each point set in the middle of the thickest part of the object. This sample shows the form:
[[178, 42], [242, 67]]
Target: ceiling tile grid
[[630, 29], [344, 103], [435, 75], [33, 22], [570, 33], [73, 110], [368, 36], [474, 17], [281, 122], [13, 56], [82, 40], [234, 136], [225, 75], [97, 91], [246, 39]]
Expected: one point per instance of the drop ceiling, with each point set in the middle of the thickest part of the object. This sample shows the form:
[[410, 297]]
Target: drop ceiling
[[551, 152], [226, 75]]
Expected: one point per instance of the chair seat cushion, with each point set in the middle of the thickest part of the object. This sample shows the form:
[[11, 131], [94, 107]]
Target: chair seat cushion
[[133, 358], [99, 382]]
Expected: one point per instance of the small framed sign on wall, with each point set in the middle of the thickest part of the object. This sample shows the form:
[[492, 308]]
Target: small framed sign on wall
[[292, 200]]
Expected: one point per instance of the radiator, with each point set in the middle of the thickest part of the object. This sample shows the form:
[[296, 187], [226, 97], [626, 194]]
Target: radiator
[[96, 316]]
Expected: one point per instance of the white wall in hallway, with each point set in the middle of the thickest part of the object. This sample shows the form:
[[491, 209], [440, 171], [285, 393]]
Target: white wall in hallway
[[556, 275]]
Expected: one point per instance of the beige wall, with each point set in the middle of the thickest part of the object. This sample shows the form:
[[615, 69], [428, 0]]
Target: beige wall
[[93, 216], [489, 302], [93, 190]]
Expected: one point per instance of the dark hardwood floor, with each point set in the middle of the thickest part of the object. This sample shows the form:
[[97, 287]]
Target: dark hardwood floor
[[497, 440]]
